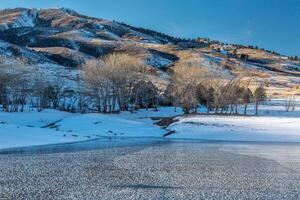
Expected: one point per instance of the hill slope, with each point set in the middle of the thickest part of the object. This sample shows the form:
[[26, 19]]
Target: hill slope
[[61, 38]]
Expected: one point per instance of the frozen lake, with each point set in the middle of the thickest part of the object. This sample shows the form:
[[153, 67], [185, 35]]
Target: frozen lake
[[151, 169]]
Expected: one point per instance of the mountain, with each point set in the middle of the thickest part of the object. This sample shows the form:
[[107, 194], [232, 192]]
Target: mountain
[[61, 40], [68, 38]]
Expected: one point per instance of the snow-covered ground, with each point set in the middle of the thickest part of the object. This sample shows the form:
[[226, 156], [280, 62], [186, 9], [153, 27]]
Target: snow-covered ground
[[273, 124], [25, 129], [51, 126], [238, 128]]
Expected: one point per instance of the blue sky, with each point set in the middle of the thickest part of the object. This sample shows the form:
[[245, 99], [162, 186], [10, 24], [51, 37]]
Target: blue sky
[[271, 24]]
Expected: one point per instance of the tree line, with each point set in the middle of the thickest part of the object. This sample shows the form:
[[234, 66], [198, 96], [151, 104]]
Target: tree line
[[22, 88], [116, 83], [120, 82], [193, 86]]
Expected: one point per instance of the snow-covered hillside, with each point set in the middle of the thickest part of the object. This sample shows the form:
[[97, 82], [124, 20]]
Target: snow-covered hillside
[[47, 31], [65, 38]]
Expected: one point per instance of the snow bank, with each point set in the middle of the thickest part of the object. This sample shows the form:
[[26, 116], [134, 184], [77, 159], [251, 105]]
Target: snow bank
[[238, 128], [98, 125], [30, 128], [33, 119], [126, 124], [25, 129], [12, 135]]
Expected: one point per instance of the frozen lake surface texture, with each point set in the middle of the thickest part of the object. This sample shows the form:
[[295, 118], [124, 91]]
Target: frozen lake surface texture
[[151, 169]]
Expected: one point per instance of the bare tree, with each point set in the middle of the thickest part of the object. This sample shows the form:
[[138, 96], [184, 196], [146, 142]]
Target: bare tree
[[246, 98], [186, 77], [205, 95], [259, 96], [110, 81], [39, 86], [146, 94], [290, 104], [14, 86]]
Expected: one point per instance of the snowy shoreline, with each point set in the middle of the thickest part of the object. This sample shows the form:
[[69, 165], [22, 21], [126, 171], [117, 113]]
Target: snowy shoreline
[[55, 127], [237, 128]]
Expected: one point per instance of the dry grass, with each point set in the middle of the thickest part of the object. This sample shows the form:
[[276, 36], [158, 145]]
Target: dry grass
[[257, 54]]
